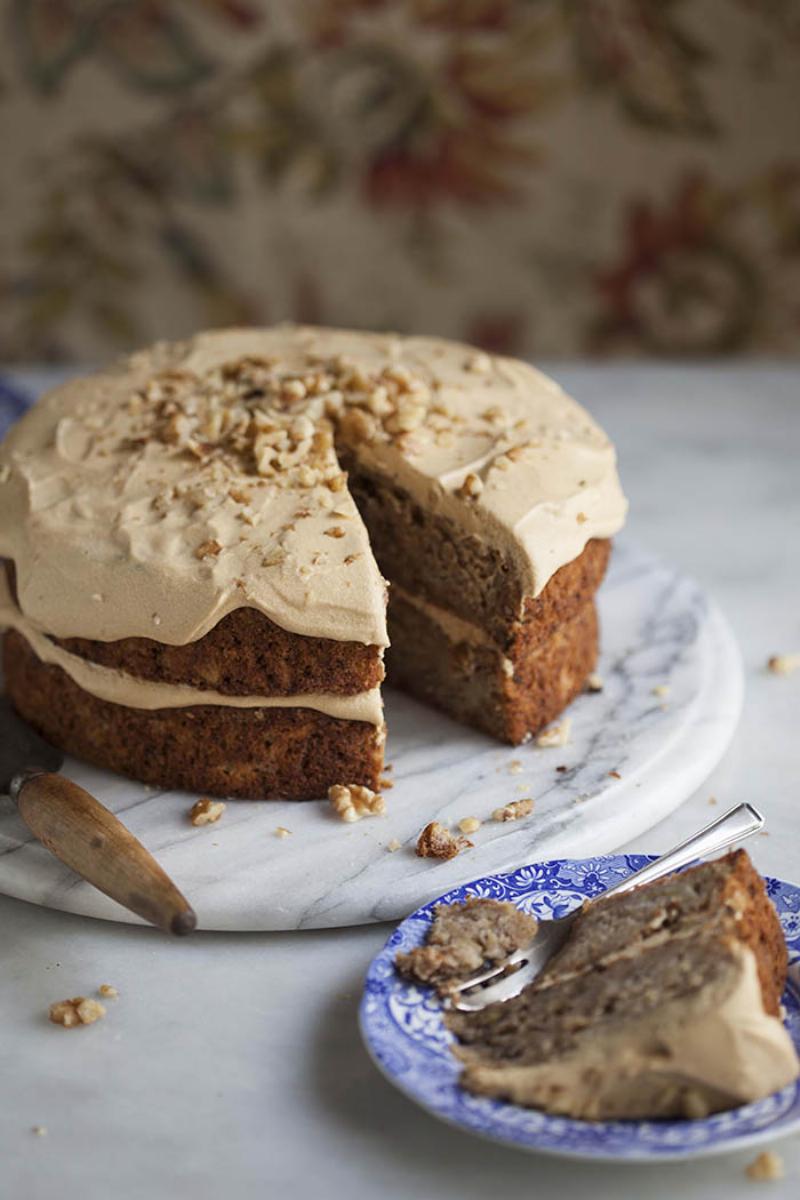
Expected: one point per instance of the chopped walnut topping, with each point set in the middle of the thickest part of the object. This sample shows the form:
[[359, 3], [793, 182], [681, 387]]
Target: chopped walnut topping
[[479, 363], [274, 558], [469, 824], [351, 558], [514, 810], [783, 664], [107, 990], [206, 812], [494, 414], [472, 487], [437, 842], [351, 801], [767, 1167], [594, 683], [335, 531], [209, 549], [78, 1011], [556, 735]]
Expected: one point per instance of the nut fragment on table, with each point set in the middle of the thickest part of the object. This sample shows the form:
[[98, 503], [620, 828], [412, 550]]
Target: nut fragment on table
[[556, 735], [108, 991], [78, 1011], [514, 810], [437, 842], [206, 812], [469, 824], [352, 801], [784, 664], [766, 1167]]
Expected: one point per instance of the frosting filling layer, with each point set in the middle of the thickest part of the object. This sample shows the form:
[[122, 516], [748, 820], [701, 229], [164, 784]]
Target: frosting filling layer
[[118, 687]]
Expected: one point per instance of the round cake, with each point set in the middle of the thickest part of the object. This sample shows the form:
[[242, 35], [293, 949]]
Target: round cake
[[197, 542]]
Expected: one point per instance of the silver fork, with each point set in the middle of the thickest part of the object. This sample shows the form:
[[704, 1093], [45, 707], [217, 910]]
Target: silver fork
[[478, 990]]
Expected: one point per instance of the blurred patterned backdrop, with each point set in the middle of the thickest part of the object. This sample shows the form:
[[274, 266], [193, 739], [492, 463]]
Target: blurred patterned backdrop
[[545, 177]]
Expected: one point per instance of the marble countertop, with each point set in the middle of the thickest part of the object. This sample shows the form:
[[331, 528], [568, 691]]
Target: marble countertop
[[231, 1063]]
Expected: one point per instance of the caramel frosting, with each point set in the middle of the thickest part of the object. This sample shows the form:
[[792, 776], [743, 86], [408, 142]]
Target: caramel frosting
[[713, 1050], [198, 477], [118, 687]]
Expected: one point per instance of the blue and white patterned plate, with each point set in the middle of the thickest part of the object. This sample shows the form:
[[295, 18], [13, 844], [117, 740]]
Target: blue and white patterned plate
[[404, 1032]]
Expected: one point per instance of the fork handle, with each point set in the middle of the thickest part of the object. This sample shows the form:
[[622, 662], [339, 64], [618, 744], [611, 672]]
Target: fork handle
[[733, 826]]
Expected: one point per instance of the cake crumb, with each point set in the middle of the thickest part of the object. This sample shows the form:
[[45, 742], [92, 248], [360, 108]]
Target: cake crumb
[[766, 1167], [469, 824], [394, 846], [351, 801], [556, 735], [282, 832], [437, 842], [205, 811], [78, 1011], [594, 683], [514, 810], [614, 775], [515, 767], [39, 1130], [661, 689], [385, 784], [783, 664], [581, 518], [108, 991]]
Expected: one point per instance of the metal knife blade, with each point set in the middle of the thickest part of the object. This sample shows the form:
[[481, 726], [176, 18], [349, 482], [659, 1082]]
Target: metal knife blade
[[21, 747]]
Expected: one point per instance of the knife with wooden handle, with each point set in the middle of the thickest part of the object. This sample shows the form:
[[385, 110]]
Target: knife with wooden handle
[[81, 832]]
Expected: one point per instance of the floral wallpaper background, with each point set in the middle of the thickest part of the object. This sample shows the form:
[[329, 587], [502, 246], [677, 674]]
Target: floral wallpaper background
[[542, 177]]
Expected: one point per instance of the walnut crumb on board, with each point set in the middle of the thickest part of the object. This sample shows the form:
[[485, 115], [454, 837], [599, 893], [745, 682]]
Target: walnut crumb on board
[[78, 1011], [766, 1167], [108, 991], [282, 832], [515, 767], [469, 824], [39, 1130], [394, 846], [351, 801], [206, 812], [556, 735], [661, 690], [783, 664], [437, 842], [514, 810], [594, 683]]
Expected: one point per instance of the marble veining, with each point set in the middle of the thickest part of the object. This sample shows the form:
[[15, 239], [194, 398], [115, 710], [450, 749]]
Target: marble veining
[[659, 630]]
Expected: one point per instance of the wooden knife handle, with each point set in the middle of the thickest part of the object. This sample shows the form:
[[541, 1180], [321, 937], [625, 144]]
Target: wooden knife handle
[[80, 832]]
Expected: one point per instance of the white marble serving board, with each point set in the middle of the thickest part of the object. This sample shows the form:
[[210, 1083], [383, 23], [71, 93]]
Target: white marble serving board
[[658, 628]]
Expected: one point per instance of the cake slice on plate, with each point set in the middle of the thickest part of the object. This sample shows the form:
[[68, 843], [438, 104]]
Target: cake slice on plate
[[664, 1002], [192, 589]]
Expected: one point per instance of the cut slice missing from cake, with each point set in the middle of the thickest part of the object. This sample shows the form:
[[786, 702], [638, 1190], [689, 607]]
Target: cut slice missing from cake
[[664, 1002], [192, 592]]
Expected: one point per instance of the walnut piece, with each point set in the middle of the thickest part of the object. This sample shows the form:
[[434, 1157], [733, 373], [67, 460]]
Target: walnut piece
[[472, 487], [206, 812], [469, 824], [78, 1011], [437, 842], [784, 664], [351, 801], [766, 1167], [108, 991], [514, 810], [209, 549], [556, 735]]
